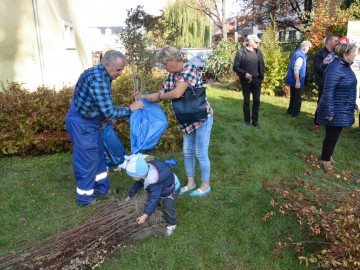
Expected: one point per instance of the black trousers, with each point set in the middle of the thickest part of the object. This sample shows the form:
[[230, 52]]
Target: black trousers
[[251, 87], [320, 91], [169, 207], [329, 143], [295, 101]]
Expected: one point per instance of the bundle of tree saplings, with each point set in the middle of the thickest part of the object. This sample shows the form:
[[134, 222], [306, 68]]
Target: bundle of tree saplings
[[110, 225]]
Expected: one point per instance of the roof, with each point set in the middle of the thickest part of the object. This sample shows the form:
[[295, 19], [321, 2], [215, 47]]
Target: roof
[[114, 29]]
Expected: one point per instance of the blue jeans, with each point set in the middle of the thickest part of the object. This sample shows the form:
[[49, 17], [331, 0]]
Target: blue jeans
[[197, 144]]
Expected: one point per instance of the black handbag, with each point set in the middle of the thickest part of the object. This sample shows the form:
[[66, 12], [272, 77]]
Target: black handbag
[[191, 107]]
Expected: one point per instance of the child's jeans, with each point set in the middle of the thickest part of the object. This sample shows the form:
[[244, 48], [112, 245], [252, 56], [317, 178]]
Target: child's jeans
[[169, 204], [169, 208]]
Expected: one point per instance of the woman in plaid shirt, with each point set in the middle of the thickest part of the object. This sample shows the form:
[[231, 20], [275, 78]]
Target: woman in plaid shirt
[[196, 136]]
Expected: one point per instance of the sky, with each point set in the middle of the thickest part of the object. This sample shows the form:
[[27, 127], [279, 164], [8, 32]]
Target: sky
[[113, 12]]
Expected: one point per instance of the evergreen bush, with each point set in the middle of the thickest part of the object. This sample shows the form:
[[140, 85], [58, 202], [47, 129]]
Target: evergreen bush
[[276, 63]]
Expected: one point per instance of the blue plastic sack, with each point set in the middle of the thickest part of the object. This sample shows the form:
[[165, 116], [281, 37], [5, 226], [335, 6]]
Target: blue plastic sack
[[114, 150], [146, 127]]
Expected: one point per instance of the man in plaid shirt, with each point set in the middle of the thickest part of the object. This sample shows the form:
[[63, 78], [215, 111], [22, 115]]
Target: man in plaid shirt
[[91, 104]]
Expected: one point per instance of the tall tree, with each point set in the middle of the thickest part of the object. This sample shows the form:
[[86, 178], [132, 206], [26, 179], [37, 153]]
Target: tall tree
[[325, 23], [285, 13], [193, 25], [214, 9], [158, 29], [139, 49]]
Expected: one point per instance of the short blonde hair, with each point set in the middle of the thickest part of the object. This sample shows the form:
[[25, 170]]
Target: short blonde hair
[[344, 48], [169, 53]]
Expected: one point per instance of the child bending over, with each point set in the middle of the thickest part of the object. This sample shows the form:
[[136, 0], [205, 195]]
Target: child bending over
[[160, 182]]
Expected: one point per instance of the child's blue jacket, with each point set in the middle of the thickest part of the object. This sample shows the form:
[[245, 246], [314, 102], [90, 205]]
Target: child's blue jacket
[[159, 183]]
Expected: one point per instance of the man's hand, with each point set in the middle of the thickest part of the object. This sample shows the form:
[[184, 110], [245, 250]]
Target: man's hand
[[137, 105], [330, 118], [142, 219], [297, 85], [248, 76]]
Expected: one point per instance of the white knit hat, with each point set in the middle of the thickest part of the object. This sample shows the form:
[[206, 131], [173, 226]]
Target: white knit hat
[[137, 167]]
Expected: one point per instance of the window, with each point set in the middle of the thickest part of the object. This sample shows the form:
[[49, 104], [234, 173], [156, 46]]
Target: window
[[292, 35], [282, 36], [69, 36]]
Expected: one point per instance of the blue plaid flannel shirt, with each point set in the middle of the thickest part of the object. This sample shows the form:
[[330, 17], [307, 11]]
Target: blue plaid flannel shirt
[[93, 95]]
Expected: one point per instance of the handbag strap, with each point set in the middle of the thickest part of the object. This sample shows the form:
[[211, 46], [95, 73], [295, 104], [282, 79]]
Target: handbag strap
[[186, 80], [190, 87]]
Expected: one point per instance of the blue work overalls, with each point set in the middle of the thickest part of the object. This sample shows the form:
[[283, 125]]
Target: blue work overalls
[[88, 155]]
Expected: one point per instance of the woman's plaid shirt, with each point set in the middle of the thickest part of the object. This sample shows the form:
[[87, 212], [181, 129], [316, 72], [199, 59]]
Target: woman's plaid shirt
[[189, 74]]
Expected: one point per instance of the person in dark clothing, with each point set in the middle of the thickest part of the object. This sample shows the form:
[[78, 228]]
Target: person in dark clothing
[[160, 182], [249, 66], [338, 101], [330, 42], [296, 77]]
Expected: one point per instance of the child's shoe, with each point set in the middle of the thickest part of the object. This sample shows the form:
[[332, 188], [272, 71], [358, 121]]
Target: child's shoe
[[170, 229]]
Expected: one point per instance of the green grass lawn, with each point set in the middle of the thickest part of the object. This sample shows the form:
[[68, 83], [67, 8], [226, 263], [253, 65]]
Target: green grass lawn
[[221, 231]]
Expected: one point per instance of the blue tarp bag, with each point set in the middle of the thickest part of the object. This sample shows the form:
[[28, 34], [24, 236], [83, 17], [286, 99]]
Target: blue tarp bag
[[146, 127], [114, 150]]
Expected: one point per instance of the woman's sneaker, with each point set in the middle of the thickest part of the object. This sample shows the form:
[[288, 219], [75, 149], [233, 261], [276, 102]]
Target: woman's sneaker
[[170, 229]]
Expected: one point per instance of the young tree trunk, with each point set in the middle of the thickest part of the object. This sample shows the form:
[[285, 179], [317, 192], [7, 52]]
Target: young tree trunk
[[223, 21]]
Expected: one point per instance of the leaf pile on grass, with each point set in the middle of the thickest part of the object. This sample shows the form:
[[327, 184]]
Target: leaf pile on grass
[[107, 226], [329, 208]]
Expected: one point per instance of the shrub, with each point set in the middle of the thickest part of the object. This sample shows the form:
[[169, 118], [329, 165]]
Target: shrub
[[221, 62], [276, 63], [324, 23], [33, 123]]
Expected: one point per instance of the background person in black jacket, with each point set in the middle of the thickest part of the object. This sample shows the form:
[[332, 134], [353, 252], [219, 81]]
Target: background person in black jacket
[[330, 42], [249, 65]]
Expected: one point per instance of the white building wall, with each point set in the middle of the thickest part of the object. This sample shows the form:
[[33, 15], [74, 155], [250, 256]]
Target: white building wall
[[20, 59]]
